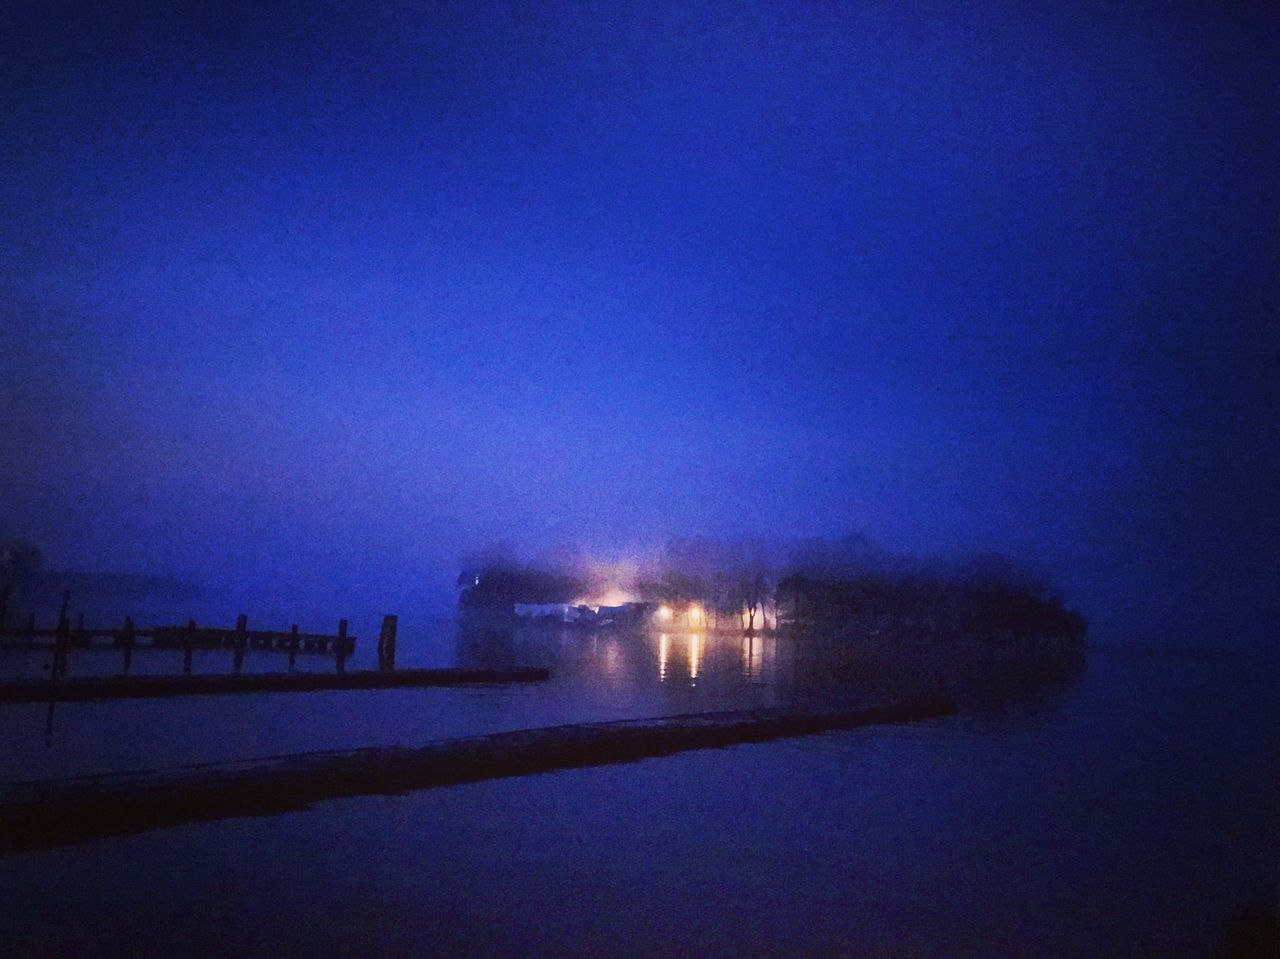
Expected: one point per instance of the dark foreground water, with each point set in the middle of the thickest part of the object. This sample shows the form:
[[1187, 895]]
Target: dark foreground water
[[1129, 811]]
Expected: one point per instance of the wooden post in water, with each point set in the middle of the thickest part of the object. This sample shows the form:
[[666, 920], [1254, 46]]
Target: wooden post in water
[[127, 637], [387, 644], [340, 646], [189, 645], [62, 639], [241, 641], [293, 645]]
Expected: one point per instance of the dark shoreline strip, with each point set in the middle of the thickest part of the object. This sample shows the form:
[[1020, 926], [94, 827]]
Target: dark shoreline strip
[[40, 815], [85, 688]]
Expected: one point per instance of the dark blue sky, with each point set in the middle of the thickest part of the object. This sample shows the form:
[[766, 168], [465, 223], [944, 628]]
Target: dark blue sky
[[319, 297]]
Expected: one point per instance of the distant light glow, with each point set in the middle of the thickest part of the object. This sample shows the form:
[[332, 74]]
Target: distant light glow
[[665, 613], [614, 597], [695, 615], [610, 597], [663, 650], [695, 654]]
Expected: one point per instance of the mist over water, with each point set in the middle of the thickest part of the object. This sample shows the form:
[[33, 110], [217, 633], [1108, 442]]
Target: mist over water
[[953, 326], [312, 307]]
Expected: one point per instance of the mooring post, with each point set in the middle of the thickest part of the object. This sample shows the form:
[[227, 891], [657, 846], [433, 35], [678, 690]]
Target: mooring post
[[189, 644], [241, 641], [340, 646], [293, 645], [63, 635], [387, 644], [62, 639], [127, 637]]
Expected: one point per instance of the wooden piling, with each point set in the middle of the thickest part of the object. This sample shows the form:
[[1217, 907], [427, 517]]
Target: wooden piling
[[293, 645], [62, 640], [128, 636], [387, 644], [240, 641], [188, 647], [340, 646]]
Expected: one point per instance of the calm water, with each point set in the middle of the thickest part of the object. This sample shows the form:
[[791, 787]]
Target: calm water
[[1129, 811]]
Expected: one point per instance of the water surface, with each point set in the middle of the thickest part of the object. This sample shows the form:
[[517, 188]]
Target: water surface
[[1129, 811]]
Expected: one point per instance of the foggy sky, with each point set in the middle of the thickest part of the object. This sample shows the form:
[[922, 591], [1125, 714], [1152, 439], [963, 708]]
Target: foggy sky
[[316, 300]]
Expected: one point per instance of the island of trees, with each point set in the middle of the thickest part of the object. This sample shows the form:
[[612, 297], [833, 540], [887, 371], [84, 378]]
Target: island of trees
[[845, 588]]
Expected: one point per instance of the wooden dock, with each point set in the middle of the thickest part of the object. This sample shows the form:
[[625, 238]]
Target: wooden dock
[[60, 812], [86, 688], [65, 637], [177, 638]]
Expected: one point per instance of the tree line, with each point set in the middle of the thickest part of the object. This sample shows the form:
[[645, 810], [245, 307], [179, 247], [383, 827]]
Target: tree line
[[761, 584]]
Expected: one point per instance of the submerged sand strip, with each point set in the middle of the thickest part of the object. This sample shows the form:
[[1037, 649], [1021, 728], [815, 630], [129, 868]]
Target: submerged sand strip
[[36, 815]]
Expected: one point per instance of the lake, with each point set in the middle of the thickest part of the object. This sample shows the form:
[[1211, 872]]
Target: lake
[[1126, 809]]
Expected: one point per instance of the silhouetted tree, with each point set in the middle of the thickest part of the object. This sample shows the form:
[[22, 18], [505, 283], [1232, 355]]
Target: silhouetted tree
[[19, 558], [504, 586]]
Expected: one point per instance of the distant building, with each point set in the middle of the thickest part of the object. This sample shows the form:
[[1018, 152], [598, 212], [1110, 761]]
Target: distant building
[[560, 612], [583, 615]]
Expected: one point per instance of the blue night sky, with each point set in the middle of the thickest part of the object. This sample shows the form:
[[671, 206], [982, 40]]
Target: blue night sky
[[317, 298]]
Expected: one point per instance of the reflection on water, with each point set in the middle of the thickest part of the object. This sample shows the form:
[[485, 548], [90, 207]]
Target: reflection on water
[[595, 675], [753, 658], [731, 670], [1080, 823], [638, 658]]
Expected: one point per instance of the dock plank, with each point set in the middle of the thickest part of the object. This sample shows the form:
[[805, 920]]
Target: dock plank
[[86, 688]]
